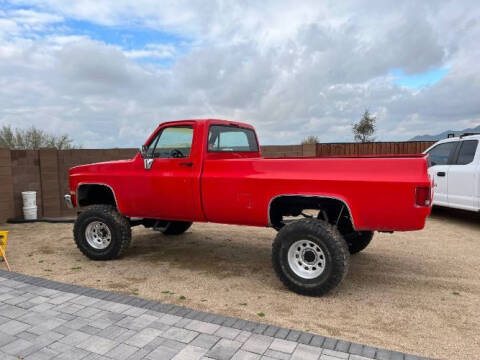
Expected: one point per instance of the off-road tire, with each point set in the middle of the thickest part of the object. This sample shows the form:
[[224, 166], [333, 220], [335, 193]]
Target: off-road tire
[[118, 225], [358, 240], [176, 227], [331, 242]]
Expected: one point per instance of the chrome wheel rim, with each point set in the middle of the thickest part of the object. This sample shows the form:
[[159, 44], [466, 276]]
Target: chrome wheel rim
[[306, 259], [98, 235]]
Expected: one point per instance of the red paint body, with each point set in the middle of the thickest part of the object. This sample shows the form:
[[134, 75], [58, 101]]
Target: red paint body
[[237, 188]]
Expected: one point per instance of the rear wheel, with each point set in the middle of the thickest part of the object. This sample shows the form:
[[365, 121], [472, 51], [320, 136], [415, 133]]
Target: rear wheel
[[358, 240], [175, 227], [102, 233], [310, 257]]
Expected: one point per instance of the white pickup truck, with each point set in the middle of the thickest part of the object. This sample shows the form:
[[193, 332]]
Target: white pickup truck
[[454, 165]]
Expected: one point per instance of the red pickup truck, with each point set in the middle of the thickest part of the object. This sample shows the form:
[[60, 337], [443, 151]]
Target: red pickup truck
[[212, 171]]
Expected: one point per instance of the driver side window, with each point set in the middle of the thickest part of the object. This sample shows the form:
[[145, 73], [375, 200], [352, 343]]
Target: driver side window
[[172, 142]]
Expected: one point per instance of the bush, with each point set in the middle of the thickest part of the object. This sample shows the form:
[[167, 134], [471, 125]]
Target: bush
[[33, 139]]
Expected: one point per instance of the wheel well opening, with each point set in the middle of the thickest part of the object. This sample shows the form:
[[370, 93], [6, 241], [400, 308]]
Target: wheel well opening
[[284, 209], [94, 194]]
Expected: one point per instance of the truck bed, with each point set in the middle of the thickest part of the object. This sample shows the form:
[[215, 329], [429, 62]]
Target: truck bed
[[383, 182]]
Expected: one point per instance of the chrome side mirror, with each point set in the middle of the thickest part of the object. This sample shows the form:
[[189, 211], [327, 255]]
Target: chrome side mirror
[[147, 158], [147, 163]]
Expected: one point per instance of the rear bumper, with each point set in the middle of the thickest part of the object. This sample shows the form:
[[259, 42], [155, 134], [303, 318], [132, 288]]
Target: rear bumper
[[68, 201]]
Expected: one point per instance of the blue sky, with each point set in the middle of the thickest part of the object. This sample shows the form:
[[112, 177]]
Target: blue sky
[[129, 37], [420, 80], [132, 38]]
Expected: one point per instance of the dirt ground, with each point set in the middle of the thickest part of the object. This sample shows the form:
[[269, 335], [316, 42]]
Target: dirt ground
[[416, 292]]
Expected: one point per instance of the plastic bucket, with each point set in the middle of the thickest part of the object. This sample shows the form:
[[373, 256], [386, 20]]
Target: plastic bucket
[[30, 213], [29, 199]]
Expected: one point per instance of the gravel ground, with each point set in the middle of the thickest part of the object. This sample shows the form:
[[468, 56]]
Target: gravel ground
[[416, 292]]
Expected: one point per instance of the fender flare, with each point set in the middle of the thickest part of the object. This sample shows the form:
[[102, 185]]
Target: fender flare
[[100, 184], [319, 196]]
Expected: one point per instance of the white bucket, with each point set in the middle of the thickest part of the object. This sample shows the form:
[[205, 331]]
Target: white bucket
[[29, 199], [30, 213]]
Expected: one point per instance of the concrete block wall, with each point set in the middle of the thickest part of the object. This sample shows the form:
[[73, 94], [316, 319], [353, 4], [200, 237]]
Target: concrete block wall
[[26, 177], [49, 182], [46, 172], [6, 185]]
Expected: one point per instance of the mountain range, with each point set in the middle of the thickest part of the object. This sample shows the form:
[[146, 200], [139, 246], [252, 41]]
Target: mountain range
[[444, 134]]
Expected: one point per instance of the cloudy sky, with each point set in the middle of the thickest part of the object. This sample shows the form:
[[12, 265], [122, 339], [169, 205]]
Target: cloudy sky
[[108, 71]]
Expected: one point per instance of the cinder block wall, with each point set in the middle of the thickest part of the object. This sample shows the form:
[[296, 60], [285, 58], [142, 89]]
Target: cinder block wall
[[6, 185], [26, 177], [46, 172]]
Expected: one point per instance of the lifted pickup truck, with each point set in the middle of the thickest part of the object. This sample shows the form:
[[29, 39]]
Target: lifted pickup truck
[[212, 171]]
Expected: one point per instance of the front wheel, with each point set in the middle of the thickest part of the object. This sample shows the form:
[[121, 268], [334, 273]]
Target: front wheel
[[310, 257], [102, 233]]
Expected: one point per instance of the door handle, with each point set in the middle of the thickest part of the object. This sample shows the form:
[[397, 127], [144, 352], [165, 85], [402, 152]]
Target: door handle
[[189, 164], [441, 173]]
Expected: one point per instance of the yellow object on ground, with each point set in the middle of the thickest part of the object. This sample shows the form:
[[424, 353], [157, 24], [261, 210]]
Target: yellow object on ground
[[3, 240], [3, 247]]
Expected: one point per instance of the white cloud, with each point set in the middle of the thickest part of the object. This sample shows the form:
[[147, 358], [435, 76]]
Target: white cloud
[[26, 22], [291, 68], [153, 51]]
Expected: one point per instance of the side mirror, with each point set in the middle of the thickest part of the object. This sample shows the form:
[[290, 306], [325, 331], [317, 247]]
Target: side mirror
[[147, 158], [147, 163]]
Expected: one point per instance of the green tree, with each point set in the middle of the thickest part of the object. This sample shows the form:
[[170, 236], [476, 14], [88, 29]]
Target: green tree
[[32, 139], [312, 139], [363, 130]]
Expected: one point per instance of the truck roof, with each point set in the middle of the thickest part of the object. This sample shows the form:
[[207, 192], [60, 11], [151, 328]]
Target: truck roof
[[460, 137], [452, 139], [214, 121], [467, 136]]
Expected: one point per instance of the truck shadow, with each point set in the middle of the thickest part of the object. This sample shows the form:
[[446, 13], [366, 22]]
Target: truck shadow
[[221, 257], [457, 216]]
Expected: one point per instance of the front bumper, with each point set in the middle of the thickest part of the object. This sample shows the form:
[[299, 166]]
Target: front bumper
[[68, 201]]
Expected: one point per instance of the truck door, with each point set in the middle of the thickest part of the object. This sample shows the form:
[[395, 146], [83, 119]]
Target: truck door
[[463, 176], [439, 164], [169, 176]]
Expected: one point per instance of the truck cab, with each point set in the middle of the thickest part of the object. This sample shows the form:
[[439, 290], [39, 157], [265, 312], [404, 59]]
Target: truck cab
[[454, 166]]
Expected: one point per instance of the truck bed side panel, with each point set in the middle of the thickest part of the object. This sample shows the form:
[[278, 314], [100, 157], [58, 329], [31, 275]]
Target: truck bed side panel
[[380, 192]]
